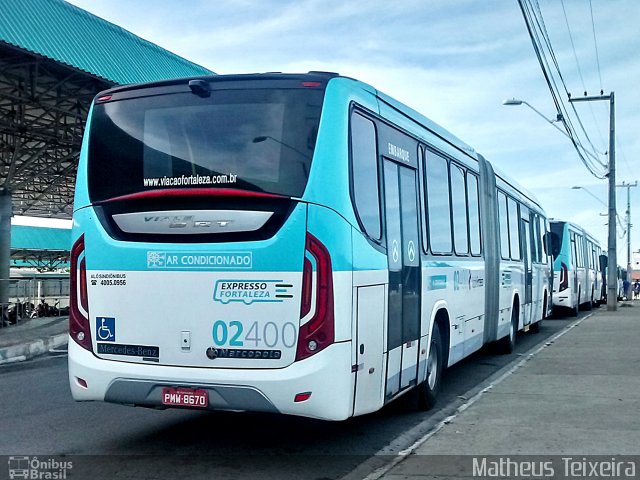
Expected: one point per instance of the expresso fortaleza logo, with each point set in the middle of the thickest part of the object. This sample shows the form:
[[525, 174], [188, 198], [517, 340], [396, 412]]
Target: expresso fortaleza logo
[[249, 291]]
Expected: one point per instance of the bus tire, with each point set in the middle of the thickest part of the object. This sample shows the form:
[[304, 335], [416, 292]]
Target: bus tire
[[508, 343], [591, 302], [429, 389], [535, 327], [575, 310]]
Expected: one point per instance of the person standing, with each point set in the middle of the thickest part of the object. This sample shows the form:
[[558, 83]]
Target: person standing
[[625, 289]]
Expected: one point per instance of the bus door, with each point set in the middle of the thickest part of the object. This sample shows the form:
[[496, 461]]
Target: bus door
[[403, 253], [525, 230], [573, 269]]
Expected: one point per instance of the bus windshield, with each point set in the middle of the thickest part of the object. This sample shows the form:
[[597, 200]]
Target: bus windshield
[[251, 139]]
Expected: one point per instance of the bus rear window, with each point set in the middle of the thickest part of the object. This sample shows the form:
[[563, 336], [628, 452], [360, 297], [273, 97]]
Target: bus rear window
[[250, 139], [558, 229]]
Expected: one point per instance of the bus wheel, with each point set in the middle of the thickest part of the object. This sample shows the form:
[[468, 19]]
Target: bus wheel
[[428, 390], [591, 302], [535, 327], [508, 343], [575, 310]]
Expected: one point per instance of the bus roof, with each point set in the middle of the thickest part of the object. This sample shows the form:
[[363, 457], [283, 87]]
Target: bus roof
[[575, 226], [310, 76]]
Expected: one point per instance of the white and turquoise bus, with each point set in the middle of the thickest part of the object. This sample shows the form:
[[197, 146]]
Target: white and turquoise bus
[[579, 271], [301, 244]]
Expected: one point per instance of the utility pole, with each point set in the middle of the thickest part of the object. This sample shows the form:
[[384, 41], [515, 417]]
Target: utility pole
[[5, 247], [629, 262], [612, 261]]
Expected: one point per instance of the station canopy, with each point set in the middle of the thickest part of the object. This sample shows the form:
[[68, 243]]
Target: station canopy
[[42, 248], [54, 58]]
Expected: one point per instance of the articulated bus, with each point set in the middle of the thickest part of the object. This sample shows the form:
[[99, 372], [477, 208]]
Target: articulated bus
[[579, 269], [292, 243]]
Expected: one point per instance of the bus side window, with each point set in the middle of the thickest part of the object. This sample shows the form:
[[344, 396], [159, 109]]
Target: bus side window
[[474, 214], [364, 172], [439, 206], [545, 228], [580, 247], [514, 229], [535, 237], [574, 249], [459, 211], [423, 200], [504, 225], [541, 235]]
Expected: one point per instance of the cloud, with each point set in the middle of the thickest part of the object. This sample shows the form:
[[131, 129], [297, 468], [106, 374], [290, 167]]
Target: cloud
[[455, 62]]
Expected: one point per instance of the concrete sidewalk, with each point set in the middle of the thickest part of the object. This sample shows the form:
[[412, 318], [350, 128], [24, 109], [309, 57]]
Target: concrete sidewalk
[[577, 395], [34, 337]]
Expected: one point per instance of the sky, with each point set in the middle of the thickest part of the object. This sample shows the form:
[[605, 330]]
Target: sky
[[455, 61]]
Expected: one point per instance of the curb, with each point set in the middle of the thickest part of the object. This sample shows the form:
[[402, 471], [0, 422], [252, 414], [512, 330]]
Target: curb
[[26, 351]]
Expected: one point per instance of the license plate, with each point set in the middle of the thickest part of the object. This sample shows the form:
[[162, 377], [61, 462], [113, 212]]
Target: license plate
[[185, 397]]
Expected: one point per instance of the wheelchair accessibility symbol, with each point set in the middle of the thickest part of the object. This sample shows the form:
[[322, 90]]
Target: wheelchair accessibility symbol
[[106, 329]]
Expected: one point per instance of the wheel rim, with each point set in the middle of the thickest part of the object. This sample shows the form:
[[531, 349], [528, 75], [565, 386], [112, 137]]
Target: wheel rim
[[432, 366]]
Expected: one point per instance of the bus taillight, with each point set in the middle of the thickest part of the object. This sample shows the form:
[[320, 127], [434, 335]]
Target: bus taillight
[[307, 284], [79, 319], [318, 332], [564, 277]]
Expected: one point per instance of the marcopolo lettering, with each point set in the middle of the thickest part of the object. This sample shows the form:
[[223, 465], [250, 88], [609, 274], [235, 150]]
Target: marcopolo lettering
[[249, 354]]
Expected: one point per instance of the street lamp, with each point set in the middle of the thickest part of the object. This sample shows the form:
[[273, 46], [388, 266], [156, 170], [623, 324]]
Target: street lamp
[[516, 101], [578, 187], [264, 138]]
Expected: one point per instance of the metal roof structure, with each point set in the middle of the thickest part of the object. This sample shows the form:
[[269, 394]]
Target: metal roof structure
[[54, 58], [41, 247]]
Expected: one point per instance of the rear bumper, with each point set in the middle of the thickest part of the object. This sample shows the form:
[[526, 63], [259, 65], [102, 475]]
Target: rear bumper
[[327, 375]]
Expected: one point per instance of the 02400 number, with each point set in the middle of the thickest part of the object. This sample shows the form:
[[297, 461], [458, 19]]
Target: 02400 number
[[268, 335]]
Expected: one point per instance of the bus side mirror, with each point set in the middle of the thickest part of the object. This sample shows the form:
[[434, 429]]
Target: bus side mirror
[[603, 262], [551, 244]]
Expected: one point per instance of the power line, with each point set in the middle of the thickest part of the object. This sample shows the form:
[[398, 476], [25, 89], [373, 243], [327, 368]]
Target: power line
[[575, 56], [540, 39], [573, 46], [595, 43], [584, 88], [624, 157]]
